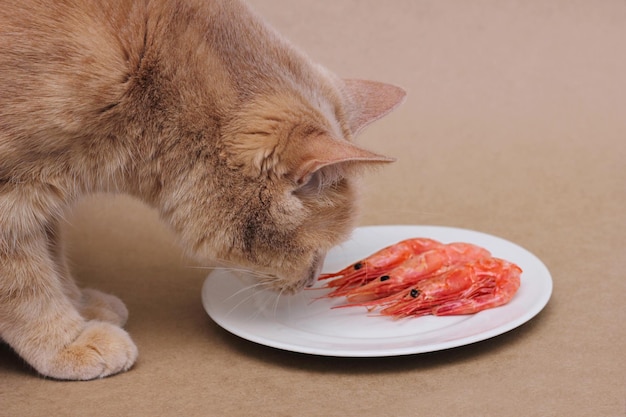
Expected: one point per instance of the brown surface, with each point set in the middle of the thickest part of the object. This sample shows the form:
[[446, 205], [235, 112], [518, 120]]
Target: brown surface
[[515, 125]]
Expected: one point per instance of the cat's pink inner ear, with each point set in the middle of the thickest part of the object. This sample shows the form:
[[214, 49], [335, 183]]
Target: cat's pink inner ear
[[370, 100], [321, 151]]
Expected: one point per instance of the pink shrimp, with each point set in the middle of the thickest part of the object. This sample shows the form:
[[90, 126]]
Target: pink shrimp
[[506, 284], [429, 290], [465, 289], [409, 273], [378, 263]]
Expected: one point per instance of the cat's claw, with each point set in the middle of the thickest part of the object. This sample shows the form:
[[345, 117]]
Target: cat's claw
[[101, 349]]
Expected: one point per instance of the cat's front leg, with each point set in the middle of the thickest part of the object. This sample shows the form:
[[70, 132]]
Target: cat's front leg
[[40, 322], [91, 304]]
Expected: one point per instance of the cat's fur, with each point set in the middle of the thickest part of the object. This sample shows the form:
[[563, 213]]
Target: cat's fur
[[196, 107]]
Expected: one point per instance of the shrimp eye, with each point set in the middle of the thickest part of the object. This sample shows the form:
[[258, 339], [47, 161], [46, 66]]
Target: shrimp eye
[[358, 266], [384, 278], [415, 293]]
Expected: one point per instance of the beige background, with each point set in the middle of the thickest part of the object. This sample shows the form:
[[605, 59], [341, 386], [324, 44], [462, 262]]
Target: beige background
[[515, 125]]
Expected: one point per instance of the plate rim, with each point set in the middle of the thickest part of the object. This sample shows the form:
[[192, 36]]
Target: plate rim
[[538, 305]]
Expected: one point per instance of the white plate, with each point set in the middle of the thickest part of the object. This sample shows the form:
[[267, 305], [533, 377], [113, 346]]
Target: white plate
[[300, 323]]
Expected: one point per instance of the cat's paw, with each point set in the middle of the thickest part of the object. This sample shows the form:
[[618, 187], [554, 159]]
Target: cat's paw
[[96, 305], [101, 349]]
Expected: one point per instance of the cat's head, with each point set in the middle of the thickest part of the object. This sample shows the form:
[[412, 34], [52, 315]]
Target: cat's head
[[290, 177], [280, 186]]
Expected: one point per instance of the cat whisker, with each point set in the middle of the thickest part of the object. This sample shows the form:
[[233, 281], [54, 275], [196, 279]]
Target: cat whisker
[[276, 301], [240, 303], [247, 271], [262, 303], [244, 289]]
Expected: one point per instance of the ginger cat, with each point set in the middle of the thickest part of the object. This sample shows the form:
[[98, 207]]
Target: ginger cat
[[196, 107]]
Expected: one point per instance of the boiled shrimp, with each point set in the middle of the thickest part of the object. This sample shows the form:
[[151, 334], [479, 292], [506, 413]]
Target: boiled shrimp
[[465, 289], [432, 289], [427, 264], [378, 263], [506, 284]]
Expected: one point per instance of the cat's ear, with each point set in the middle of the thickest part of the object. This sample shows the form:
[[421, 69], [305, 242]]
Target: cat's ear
[[317, 152], [369, 101]]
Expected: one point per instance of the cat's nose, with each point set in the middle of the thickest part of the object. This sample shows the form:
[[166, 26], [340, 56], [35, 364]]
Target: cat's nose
[[316, 269]]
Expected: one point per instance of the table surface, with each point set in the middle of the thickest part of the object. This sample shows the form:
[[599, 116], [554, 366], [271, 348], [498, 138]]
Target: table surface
[[515, 125]]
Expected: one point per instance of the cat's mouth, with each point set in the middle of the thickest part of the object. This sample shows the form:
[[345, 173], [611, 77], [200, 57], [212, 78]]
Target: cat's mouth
[[292, 284]]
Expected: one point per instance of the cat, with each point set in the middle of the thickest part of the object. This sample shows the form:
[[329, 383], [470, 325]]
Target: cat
[[196, 107]]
